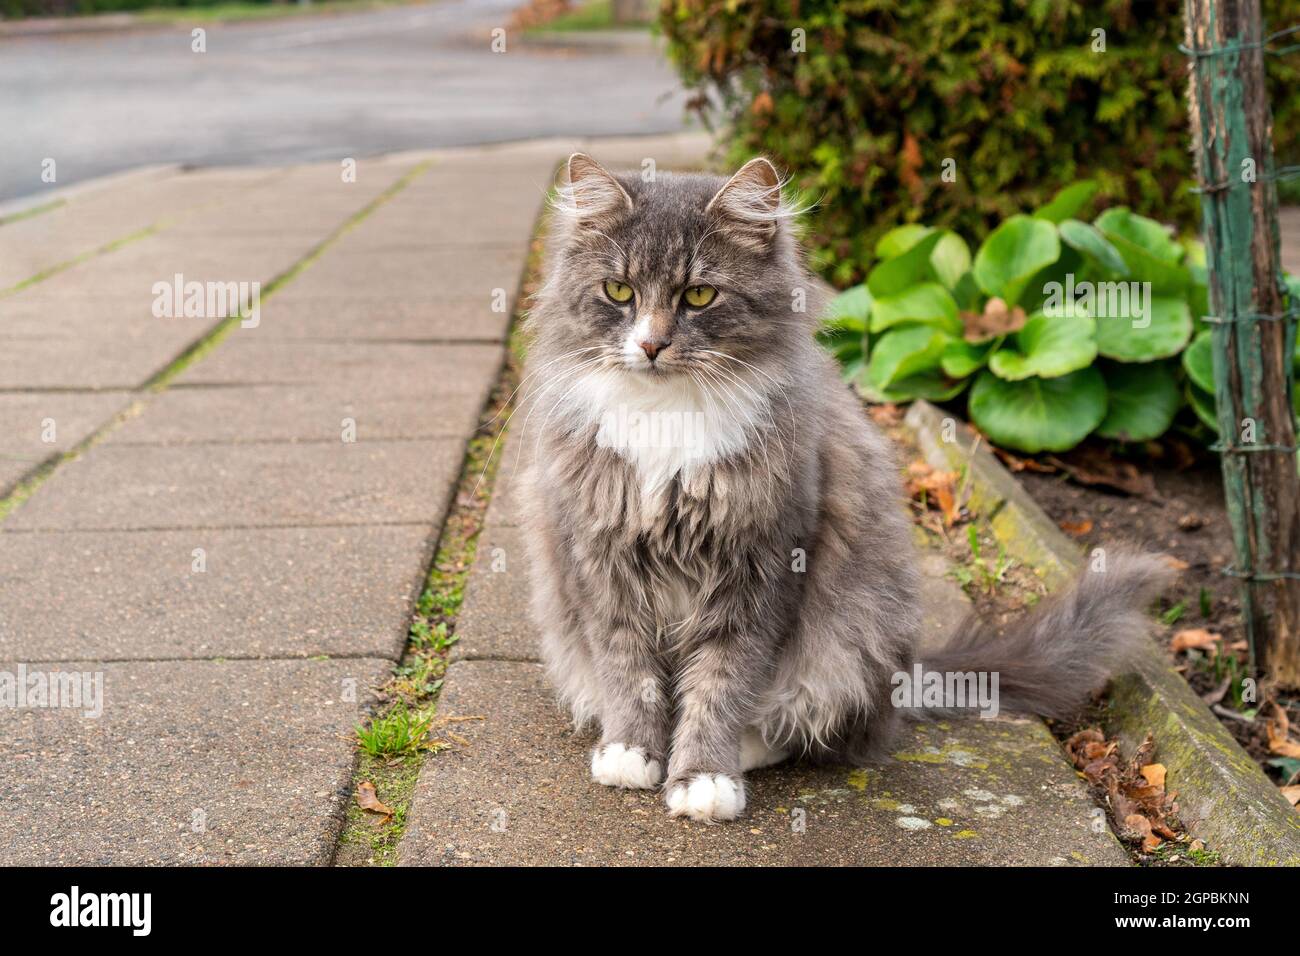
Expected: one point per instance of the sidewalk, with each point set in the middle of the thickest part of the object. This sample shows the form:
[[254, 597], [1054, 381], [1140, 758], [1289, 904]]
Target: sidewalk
[[242, 575]]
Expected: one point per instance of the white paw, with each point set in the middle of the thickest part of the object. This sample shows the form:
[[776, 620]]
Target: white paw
[[617, 765], [707, 797]]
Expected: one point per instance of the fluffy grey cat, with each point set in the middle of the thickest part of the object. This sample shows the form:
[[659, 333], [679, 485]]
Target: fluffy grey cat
[[723, 571]]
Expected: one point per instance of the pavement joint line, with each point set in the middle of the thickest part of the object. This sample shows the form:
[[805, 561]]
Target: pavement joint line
[[50, 271], [209, 442], [13, 496], [221, 659], [211, 339], [108, 247], [32, 212]]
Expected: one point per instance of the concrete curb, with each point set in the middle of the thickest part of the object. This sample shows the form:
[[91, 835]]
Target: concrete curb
[[622, 41], [1225, 799]]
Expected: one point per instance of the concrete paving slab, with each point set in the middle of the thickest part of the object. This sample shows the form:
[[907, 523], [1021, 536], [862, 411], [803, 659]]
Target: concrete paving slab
[[245, 358], [285, 592], [960, 793], [201, 763], [261, 413], [35, 426], [123, 361], [494, 621], [401, 270], [395, 318], [143, 487]]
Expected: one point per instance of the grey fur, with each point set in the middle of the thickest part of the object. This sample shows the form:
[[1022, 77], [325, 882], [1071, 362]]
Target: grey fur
[[677, 617]]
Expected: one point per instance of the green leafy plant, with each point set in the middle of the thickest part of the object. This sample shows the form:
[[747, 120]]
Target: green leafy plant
[[1060, 328], [395, 733], [956, 113]]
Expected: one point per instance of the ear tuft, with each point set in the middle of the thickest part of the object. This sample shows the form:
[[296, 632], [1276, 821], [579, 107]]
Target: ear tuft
[[750, 205], [591, 191]]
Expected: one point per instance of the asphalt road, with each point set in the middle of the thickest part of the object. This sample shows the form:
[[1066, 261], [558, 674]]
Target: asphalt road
[[310, 88]]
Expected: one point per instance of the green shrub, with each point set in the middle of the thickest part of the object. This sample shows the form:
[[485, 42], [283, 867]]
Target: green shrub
[[1010, 90], [1060, 328]]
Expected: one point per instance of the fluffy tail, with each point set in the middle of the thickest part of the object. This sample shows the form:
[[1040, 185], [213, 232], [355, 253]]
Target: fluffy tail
[[1051, 660]]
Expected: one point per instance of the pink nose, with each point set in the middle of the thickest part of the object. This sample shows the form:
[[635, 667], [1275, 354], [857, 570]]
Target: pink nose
[[652, 347]]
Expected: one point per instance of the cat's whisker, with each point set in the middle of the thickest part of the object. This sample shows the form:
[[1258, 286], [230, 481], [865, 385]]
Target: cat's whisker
[[496, 443]]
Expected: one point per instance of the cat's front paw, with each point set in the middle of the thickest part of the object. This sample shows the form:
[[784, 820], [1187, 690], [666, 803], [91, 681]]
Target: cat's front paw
[[618, 765], [707, 797]]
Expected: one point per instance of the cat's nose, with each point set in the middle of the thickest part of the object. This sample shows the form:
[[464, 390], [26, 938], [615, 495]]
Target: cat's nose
[[652, 347]]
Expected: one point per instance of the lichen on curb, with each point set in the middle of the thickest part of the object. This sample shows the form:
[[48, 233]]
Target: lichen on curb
[[1224, 798]]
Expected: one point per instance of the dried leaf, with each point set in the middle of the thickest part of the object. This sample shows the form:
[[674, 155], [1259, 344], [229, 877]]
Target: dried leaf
[[1077, 528], [762, 104], [367, 799], [1094, 465], [995, 320], [1197, 637], [1292, 795], [1154, 774], [1140, 827], [1278, 730], [935, 488]]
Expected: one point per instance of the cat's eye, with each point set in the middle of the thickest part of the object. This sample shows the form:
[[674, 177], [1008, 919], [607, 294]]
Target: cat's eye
[[618, 291], [698, 296]]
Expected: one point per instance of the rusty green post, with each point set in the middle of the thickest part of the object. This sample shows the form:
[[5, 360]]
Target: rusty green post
[[1253, 337]]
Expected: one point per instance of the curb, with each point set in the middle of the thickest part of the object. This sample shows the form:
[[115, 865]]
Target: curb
[[1225, 799]]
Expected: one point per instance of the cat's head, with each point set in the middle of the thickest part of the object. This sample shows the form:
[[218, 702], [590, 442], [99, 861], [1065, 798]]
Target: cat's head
[[667, 274]]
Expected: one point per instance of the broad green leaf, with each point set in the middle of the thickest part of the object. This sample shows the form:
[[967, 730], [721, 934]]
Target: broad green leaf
[[932, 386], [927, 302], [1039, 414], [1149, 252], [1198, 361], [1146, 234], [1068, 202], [1047, 348], [1163, 329], [950, 259], [895, 275], [1012, 254], [850, 309], [1143, 400], [967, 293], [962, 358], [1089, 241], [901, 353], [899, 239]]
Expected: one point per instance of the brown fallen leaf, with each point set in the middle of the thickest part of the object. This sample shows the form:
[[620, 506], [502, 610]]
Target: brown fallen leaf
[[996, 319], [1292, 795], [1154, 773], [1178, 564], [367, 799], [762, 104], [1077, 528], [1191, 522], [1140, 827], [1278, 730], [1015, 463], [935, 488], [1197, 637], [1094, 465]]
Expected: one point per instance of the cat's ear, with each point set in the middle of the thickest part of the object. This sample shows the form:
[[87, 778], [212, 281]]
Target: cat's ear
[[591, 193], [749, 206]]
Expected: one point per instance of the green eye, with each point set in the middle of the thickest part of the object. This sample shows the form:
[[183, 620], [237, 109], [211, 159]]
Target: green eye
[[698, 296], [618, 291]]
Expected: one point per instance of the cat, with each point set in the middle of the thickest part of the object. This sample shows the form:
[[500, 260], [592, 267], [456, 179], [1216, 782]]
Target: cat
[[722, 567]]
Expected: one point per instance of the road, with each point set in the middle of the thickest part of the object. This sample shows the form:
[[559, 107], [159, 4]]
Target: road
[[310, 88]]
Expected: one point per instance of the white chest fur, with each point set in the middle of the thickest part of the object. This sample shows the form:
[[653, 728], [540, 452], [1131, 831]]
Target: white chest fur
[[669, 425]]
